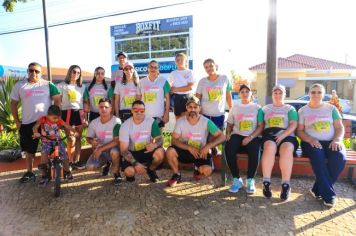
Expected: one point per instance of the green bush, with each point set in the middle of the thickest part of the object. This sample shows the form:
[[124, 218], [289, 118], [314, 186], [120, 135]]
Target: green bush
[[9, 140]]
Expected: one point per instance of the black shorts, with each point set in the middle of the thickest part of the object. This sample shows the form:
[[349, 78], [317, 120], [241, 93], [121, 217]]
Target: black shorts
[[289, 139], [179, 103], [159, 122], [124, 115], [185, 156], [73, 117], [27, 143], [93, 115], [140, 156]]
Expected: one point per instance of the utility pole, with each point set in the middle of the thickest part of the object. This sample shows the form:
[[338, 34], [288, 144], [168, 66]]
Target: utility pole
[[49, 75], [271, 63]]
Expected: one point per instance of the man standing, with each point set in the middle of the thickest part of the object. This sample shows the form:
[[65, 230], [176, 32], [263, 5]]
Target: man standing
[[103, 135], [190, 142], [140, 144], [35, 95]]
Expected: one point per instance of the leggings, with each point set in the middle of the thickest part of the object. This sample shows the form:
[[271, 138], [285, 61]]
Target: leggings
[[234, 145]]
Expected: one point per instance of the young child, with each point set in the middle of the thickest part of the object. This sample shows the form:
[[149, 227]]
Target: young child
[[49, 126]]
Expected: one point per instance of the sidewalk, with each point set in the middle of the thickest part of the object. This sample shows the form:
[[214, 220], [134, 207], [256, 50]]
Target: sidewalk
[[91, 205]]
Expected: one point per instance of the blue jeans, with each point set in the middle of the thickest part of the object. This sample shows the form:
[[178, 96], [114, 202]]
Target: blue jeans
[[327, 166]]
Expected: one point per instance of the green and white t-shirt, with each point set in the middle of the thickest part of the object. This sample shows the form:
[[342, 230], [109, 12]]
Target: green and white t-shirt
[[104, 132], [139, 135], [319, 122], [96, 93], [279, 117], [245, 118], [153, 93], [72, 95], [35, 98], [127, 93], [181, 78], [214, 95], [195, 135]]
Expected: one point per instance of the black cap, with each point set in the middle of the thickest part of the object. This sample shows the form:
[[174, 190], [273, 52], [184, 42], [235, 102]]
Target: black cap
[[242, 86], [121, 54]]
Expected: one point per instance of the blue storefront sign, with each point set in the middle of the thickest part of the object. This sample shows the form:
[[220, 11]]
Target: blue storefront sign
[[176, 23], [165, 67], [12, 71]]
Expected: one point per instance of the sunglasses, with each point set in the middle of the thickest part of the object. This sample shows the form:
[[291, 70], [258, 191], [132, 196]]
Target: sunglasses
[[127, 69], [34, 71], [138, 110], [153, 67], [316, 92], [75, 72]]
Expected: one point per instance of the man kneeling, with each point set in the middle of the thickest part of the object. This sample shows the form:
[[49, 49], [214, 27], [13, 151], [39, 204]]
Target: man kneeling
[[189, 142], [140, 144]]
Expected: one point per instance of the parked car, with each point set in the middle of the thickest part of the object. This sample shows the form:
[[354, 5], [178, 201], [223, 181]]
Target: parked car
[[297, 104], [345, 104]]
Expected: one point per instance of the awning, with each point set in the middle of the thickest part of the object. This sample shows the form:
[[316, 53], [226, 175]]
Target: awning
[[329, 78]]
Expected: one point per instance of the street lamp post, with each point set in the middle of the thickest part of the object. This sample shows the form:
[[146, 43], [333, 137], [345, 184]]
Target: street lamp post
[[46, 40]]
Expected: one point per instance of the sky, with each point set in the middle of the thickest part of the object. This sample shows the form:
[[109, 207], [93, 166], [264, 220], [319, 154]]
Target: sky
[[233, 32]]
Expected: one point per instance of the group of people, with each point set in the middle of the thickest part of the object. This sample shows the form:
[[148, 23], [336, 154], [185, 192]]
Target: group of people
[[125, 119]]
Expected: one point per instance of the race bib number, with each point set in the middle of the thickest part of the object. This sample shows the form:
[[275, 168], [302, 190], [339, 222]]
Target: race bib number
[[276, 122], [194, 143], [246, 125], [150, 97], [214, 95], [128, 100], [96, 100], [139, 146], [72, 96], [321, 126]]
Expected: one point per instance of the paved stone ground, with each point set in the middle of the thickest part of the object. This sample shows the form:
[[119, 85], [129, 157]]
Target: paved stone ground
[[91, 205]]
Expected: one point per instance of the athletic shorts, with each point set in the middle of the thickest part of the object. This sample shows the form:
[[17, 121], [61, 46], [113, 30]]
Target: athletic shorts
[[217, 120], [27, 143], [93, 115], [102, 160], [184, 156], [289, 139], [124, 115], [179, 103], [72, 117], [141, 157], [48, 148]]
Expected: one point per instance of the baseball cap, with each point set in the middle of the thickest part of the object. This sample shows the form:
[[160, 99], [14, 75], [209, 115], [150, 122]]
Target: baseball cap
[[279, 87], [242, 86], [193, 99], [128, 64], [121, 54]]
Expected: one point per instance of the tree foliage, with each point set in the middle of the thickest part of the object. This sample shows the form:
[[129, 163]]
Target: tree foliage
[[9, 5]]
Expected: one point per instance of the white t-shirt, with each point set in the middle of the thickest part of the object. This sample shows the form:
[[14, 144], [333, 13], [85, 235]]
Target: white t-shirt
[[181, 78], [319, 122], [72, 95], [138, 135], [127, 94], [195, 135], [153, 93], [35, 98], [279, 116], [106, 132], [96, 93], [214, 95], [245, 118]]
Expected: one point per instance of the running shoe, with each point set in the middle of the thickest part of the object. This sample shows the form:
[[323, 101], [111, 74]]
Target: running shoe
[[286, 189], [237, 184], [176, 178], [267, 192], [28, 176], [250, 189]]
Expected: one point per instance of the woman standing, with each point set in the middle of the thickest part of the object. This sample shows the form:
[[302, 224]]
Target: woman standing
[[244, 125], [75, 98], [181, 81], [125, 93], [321, 131], [278, 138], [97, 89]]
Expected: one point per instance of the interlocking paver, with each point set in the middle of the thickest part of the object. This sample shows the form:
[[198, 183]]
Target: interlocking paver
[[91, 205]]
